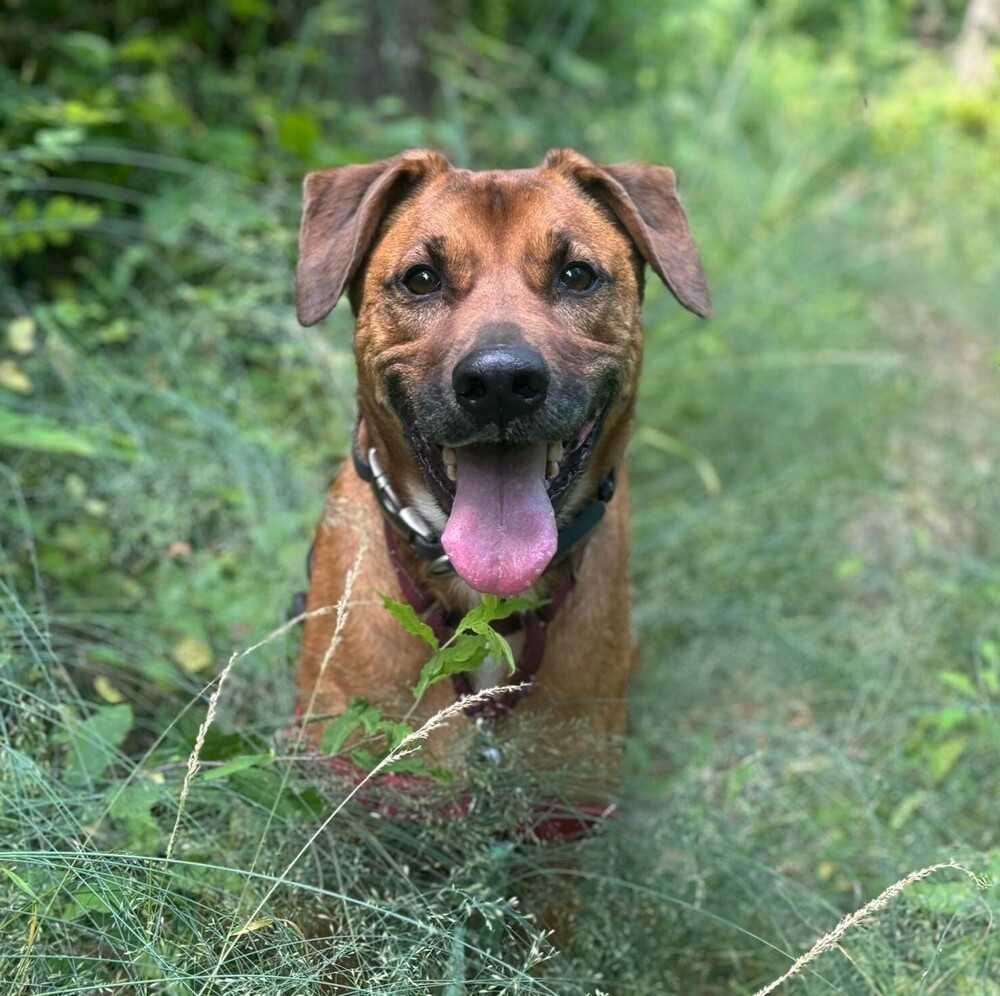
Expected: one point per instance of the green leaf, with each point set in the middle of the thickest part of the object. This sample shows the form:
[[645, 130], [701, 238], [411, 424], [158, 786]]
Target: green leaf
[[111, 899], [960, 682], [35, 432], [28, 431], [499, 644], [20, 883], [491, 609], [359, 714], [94, 743], [133, 804], [949, 717], [944, 756], [267, 788], [903, 810], [408, 765], [465, 654], [298, 131], [237, 764], [406, 616], [366, 758], [369, 715], [396, 733], [337, 731], [442, 775]]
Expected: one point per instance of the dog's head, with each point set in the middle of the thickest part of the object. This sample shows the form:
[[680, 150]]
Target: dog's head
[[498, 334]]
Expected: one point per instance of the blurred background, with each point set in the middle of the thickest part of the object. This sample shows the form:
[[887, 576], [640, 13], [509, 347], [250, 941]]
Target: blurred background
[[816, 563]]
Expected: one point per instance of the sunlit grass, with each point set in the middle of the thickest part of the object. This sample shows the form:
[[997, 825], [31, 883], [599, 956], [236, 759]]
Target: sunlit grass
[[817, 596]]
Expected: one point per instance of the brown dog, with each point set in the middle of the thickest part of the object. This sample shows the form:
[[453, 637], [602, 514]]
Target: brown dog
[[498, 344]]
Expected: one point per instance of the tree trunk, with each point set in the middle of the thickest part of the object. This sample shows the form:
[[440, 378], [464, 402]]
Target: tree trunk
[[973, 58], [391, 53]]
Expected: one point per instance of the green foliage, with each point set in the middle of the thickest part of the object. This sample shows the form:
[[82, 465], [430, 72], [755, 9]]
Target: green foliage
[[813, 480], [473, 641], [360, 715], [381, 737], [35, 432], [407, 617], [964, 721], [92, 743]]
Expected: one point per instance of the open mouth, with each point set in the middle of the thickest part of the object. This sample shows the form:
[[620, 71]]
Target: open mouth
[[501, 500]]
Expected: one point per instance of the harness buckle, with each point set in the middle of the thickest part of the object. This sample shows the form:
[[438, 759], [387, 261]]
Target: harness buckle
[[441, 567], [414, 521]]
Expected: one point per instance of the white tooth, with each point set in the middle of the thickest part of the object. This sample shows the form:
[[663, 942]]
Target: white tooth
[[555, 452], [448, 455], [551, 468], [451, 471]]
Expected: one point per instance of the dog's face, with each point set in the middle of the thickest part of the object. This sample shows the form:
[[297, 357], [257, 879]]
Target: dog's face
[[498, 334]]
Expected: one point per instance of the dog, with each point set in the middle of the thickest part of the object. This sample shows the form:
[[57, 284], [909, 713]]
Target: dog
[[498, 341]]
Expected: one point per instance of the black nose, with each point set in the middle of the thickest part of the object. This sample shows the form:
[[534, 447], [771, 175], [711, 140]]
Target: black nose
[[499, 383]]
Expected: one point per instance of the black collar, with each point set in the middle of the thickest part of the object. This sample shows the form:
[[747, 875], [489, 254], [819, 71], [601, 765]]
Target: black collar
[[426, 544]]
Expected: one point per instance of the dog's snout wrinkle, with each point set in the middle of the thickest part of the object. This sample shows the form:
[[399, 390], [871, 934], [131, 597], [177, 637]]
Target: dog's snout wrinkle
[[498, 383]]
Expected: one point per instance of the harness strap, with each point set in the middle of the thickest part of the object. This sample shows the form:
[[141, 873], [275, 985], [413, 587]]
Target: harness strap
[[549, 820], [532, 623]]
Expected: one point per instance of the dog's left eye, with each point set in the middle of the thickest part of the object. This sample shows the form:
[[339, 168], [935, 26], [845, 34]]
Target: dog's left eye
[[421, 280], [578, 277]]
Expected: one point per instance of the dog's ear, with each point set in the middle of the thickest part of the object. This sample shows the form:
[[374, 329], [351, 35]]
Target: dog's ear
[[644, 198], [341, 211]]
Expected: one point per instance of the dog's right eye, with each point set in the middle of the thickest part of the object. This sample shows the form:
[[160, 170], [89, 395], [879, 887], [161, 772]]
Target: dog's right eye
[[421, 280], [578, 277]]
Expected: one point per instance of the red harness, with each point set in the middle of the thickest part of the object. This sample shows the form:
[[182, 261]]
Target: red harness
[[531, 623], [397, 793], [550, 819]]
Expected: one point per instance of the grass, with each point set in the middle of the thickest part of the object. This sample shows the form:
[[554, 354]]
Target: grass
[[817, 596]]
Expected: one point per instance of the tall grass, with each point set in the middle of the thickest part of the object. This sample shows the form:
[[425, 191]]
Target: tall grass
[[816, 593]]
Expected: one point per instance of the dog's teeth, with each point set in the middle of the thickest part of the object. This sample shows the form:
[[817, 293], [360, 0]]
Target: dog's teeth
[[551, 468], [555, 453], [450, 462]]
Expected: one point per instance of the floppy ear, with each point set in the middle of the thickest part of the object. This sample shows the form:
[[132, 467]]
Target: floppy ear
[[644, 199], [341, 212]]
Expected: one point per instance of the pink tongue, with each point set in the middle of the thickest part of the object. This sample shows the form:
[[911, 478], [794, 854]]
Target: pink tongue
[[501, 533]]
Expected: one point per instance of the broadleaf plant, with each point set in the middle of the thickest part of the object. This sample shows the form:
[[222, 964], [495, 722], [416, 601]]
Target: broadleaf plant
[[474, 640]]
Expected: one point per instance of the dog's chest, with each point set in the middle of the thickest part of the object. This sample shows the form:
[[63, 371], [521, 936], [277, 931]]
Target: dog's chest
[[489, 674], [494, 671]]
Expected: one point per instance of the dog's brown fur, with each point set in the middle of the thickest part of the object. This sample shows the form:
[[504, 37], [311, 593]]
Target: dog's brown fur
[[361, 227]]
